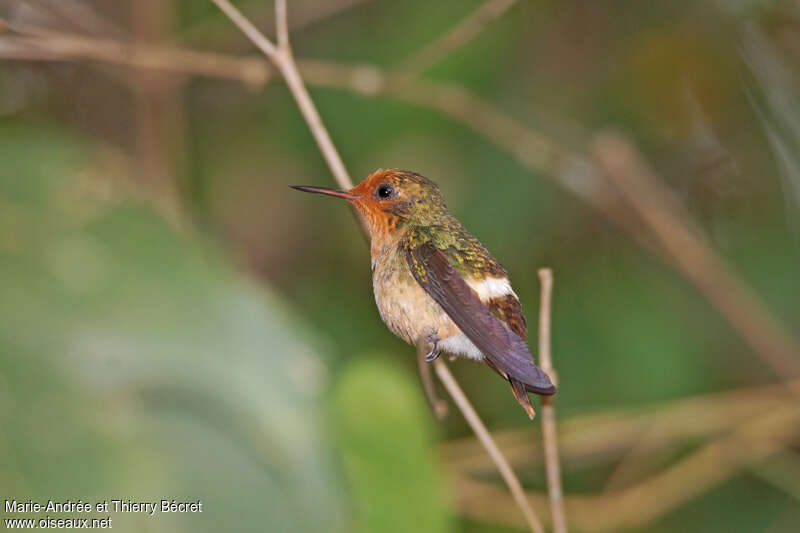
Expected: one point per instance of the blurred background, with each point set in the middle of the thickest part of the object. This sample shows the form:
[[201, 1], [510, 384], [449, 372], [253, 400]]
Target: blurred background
[[175, 322]]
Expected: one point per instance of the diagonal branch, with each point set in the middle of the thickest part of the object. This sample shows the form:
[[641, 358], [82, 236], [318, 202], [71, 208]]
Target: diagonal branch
[[750, 441], [247, 27], [735, 300], [459, 35], [214, 30], [282, 57], [486, 440]]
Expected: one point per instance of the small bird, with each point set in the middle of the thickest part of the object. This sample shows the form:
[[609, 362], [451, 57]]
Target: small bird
[[436, 284]]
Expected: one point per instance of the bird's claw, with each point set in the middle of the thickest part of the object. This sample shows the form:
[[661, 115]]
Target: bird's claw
[[433, 354]]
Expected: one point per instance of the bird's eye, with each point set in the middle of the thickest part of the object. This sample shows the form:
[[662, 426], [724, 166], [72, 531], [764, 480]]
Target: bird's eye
[[385, 191]]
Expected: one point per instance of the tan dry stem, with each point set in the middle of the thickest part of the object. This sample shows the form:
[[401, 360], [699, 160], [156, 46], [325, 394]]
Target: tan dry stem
[[549, 432], [281, 56]]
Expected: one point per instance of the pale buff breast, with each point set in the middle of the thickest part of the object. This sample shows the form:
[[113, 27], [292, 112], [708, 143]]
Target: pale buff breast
[[404, 306], [410, 313]]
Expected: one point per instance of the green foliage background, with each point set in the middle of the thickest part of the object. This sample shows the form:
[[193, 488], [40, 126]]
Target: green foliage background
[[237, 356]]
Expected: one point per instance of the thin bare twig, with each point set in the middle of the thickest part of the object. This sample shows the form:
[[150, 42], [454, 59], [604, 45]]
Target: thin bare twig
[[252, 71], [282, 24], [752, 441], [533, 150], [486, 440], [309, 110], [456, 37], [611, 433], [437, 404], [282, 57], [545, 306], [601, 437], [209, 31], [247, 27], [549, 434]]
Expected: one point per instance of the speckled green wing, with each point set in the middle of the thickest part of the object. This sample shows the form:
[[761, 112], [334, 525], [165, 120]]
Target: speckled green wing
[[466, 253]]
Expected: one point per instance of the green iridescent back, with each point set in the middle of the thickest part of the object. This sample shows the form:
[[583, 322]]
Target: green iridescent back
[[427, 220]]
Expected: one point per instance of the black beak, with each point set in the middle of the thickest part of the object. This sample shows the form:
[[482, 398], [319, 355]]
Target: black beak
[[325, 190]]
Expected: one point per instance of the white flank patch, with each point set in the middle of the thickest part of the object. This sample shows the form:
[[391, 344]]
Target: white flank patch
[[460, 345], [489, 288]]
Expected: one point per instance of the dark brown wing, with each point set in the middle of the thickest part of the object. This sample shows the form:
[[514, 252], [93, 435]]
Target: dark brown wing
[[504, 349], [508, 309]]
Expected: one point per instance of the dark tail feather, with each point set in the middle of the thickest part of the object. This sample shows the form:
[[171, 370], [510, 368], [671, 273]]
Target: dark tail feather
[[521, 394], [519, 389], [544, 386]]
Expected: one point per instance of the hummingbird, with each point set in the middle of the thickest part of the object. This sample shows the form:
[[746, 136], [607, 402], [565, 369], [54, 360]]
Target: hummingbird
[[436, 285]]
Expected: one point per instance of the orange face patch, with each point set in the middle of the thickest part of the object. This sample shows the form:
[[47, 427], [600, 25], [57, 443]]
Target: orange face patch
[[375, 209]]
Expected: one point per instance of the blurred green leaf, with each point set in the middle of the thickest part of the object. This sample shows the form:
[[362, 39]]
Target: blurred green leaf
[[136, 364], [386, 437]]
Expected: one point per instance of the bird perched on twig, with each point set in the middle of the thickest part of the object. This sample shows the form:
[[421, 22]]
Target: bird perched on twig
[[435, 283]]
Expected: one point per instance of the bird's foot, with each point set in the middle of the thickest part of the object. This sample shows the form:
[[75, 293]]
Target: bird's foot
[[433, 354]]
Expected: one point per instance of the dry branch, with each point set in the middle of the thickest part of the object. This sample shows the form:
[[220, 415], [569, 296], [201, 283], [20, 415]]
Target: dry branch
[[744, 310], [593, 438], [549, 433], [640, 504], [456, 37], [437, 404], [253, 72], [533, 150], [281, 56], [217, 32], [488, 444]]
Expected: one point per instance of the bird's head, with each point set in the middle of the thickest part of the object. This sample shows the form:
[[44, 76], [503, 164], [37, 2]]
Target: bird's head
[[391, 199]]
